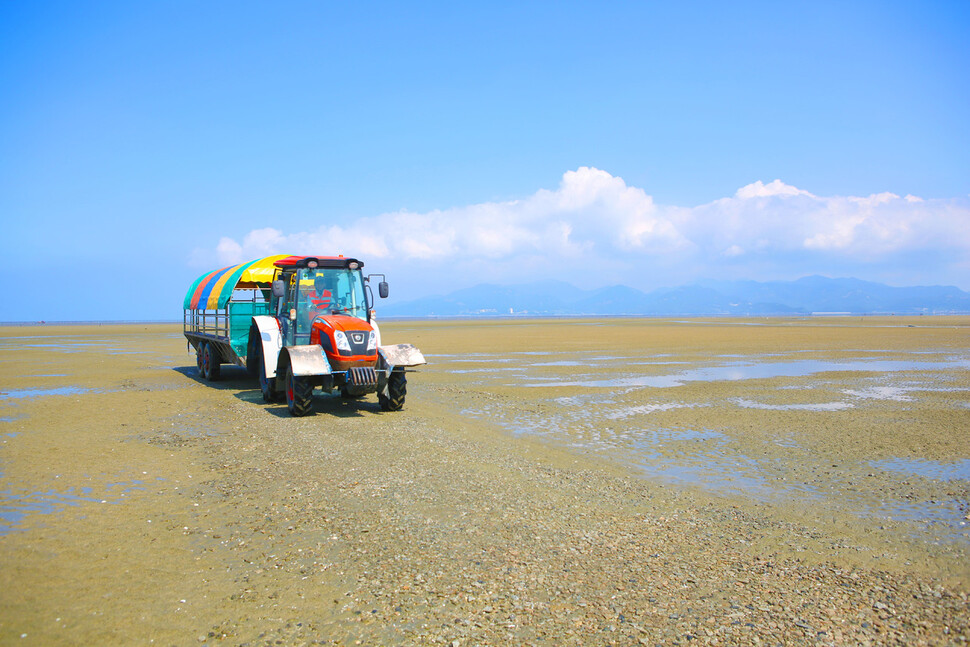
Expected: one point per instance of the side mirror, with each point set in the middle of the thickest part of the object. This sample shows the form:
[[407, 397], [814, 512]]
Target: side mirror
[[382, 289], [279, 288]]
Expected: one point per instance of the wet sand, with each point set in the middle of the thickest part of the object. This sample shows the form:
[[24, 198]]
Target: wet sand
[[526, 494]]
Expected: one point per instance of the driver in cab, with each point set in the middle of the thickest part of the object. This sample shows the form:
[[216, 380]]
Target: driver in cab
[[323, 298]]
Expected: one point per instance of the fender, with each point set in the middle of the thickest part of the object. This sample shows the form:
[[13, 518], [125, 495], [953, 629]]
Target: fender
[[272, 342], [305, 360], [399, 355]]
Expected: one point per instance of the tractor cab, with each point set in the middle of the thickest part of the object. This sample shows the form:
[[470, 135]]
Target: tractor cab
[[327, 301]]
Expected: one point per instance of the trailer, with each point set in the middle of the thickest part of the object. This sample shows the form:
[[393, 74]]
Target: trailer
[[295, 323]]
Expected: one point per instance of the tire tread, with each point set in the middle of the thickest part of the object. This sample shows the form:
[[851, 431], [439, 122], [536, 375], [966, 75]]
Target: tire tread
[[397, 389]]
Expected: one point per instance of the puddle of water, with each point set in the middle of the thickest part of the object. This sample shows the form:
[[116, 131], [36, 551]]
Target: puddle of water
[[38, 393], [562, 362], [110, 346], [735, 474], [645, 409], [65, 345], [749, 371], [650, 439], [718, 477], [509, 369], [946, 513], [818, 406], [583, 399], [895, 393], [127, 486], [61, 346], [14, 508], [958, 470], [788, 442]]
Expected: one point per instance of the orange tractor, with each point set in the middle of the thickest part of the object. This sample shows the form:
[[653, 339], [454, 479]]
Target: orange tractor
[[296, 323]]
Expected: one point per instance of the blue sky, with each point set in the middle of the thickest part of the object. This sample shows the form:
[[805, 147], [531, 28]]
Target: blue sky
[[142, 144]]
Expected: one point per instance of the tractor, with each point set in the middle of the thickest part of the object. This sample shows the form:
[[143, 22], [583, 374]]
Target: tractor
[[297, 323]]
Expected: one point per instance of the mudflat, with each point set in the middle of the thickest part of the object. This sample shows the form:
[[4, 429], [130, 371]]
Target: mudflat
[[549, 482]]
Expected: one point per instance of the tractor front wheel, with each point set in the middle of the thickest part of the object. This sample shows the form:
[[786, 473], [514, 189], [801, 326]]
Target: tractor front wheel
[[397, 389], [299, 394]]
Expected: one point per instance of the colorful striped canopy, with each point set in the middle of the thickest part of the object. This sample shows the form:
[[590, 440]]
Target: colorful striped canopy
[[212, 291]]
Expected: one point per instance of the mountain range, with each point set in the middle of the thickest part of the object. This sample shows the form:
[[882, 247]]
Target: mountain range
[[807, 295]]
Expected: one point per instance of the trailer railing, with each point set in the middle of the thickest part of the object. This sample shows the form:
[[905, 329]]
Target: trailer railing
[[219, 322], [214, 323], [227, 329]]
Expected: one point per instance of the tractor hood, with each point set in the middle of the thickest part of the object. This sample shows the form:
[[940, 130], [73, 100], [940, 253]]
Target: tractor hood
[[341, 322], [345, 340]]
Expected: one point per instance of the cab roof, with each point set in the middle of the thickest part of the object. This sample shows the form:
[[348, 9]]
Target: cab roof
[[335, 262], [213, 290]]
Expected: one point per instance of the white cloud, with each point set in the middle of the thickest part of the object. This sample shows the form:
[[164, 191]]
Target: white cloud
[[761, 190], [780, 218], [591, 207], [229, 252], [595, 220]]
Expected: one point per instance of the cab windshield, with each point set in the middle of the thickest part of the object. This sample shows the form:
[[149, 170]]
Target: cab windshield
[[324, 291]]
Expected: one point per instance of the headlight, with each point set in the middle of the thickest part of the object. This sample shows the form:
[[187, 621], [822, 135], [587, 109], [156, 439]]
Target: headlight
[[372, 341], [340, 339]]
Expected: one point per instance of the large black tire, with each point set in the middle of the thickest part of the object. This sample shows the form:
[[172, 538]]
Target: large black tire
[[255, 345], [198, 359], [397, 389], [210, 362], [266, 384], [299, 394]]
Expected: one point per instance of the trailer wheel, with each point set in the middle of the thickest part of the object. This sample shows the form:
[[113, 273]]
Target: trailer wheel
[[397, 389], [299, 394], [198, 359], [210, 362]]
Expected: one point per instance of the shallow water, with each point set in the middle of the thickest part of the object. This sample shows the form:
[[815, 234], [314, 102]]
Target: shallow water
[[958, 470], [749, 371], [619, 418], [39, 393], [71, 345], [817, 406], [18, 505]]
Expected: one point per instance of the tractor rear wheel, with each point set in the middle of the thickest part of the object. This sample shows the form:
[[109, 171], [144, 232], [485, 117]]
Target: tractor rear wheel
[[210, 362], [299, 394], [255, 345], [397, 389], [266, 384]]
